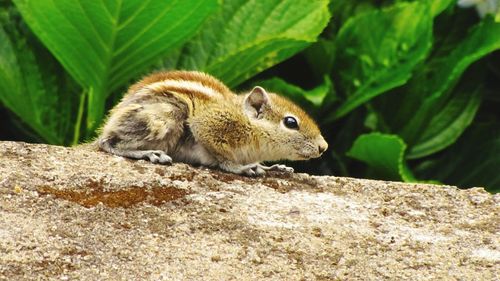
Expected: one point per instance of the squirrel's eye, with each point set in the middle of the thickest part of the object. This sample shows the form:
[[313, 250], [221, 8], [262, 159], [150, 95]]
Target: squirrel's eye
[[291, 122]]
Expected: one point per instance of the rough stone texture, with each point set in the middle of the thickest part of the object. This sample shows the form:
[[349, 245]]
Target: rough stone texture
[[79, 214]]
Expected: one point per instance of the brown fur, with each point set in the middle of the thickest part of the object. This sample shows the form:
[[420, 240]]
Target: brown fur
[[209, 127], [200, 77]]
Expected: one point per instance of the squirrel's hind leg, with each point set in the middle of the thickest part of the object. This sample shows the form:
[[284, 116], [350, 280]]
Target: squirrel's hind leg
[[147, 131], [154, 156]]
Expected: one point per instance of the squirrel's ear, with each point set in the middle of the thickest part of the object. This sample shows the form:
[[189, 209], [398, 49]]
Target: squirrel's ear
[[255, 100]]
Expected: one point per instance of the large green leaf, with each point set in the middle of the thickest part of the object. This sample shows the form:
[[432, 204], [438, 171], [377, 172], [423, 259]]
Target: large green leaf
[[103, 44], [248, 36], [32, 84], [447, 124], [384, 154], [429, 91], [377, 51]]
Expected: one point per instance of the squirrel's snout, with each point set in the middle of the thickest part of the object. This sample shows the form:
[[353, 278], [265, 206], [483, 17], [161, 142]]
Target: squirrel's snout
[[322, 149], [322, 146]]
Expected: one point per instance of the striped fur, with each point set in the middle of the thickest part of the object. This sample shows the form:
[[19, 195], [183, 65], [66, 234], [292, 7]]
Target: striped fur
[[192, 117]]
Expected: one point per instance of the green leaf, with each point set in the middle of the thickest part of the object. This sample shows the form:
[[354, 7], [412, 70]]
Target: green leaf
[[474, 160], [248, 36], [384, 154], [32, 84], [345, 9], [378, 50], [309, 98], [430, 90], [438, 6], [103, 44], [321, 56], [448, 124]]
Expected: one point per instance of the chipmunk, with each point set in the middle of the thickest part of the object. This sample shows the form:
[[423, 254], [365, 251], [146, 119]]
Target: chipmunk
[[192, 117]]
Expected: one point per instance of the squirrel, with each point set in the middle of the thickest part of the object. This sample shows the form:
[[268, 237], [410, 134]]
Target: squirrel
[[191, 117]]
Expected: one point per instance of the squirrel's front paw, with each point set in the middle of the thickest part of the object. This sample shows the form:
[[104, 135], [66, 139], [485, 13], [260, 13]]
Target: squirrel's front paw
[[251, 170], [254, 171], [277, 167], [157, 156]]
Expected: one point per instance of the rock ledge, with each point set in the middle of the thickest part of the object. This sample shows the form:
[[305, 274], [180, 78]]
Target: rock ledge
[[80, 214]]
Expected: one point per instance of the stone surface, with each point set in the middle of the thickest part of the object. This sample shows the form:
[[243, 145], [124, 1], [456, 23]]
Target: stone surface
[[80, 214]]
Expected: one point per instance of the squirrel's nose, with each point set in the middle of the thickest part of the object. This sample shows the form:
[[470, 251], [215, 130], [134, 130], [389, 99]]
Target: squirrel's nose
[[322, 147]]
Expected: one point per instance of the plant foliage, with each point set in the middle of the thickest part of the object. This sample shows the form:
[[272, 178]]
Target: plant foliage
[[103, 44], [403, 90]]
